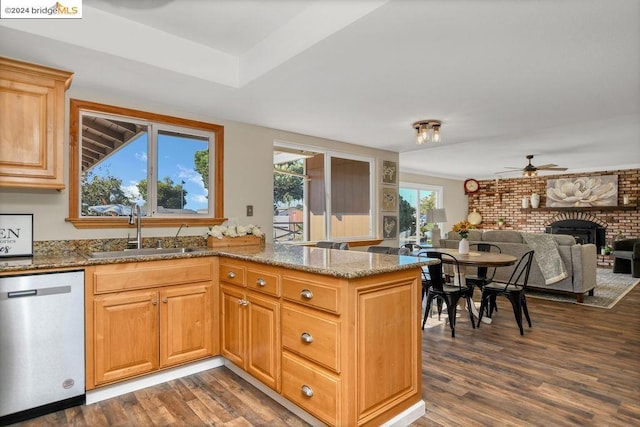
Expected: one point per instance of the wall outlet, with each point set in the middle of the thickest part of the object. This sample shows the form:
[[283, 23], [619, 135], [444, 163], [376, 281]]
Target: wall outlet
[[249, 210]]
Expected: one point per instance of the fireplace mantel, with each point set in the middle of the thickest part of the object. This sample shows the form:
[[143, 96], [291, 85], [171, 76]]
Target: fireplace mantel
[[582, 208]]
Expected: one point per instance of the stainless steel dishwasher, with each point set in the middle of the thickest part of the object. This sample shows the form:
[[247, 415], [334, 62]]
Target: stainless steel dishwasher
[[41, 344]]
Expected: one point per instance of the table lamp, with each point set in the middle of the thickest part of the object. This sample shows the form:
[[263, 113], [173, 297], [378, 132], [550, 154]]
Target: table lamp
[[436, 216]]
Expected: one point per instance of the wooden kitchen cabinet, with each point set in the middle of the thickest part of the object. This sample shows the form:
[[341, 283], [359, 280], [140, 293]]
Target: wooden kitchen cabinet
[[32, 112], [142, 317], [250, 320], [347, 351]]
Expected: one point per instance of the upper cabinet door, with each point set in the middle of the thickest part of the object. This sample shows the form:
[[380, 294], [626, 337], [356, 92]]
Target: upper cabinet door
[[32, 107]]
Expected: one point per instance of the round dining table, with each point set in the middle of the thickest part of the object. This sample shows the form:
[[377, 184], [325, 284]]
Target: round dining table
[[475, 258], [472, 259]]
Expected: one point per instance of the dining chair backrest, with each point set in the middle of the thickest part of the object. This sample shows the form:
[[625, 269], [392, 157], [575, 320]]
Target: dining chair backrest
[[412, 247], [390, 250], [484, 272], [436, 271], [333, 245], [520, 275]]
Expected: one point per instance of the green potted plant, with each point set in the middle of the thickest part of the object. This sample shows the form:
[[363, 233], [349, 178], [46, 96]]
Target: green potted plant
[[500, 222]]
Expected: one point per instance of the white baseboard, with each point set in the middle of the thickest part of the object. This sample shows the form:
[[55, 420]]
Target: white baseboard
[[407, 416], [124, 387], [93, 396], [307, 417]]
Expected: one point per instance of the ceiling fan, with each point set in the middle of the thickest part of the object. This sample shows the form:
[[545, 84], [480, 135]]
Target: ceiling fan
[[531, 170]]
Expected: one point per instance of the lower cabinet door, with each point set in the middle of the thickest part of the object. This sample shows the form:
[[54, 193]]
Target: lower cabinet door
[[313, 389], [232, 343], [185, 323], [263, 339], [126, 335]]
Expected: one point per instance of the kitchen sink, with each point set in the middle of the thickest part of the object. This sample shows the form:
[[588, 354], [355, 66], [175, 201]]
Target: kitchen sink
[[128, 253]]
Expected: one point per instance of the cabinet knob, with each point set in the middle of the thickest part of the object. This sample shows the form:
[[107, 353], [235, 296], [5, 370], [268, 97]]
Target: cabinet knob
[[261, 282], [243, 302], [306, 294], [306, 337], [231, 275], [154, 301], [165, 299], [307, 391]]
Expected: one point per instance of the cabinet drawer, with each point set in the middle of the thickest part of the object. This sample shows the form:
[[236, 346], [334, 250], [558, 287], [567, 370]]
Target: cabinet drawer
[[262, 281], [311, 294], [315, 391], [119, 277], [312, 336], [233, 273]]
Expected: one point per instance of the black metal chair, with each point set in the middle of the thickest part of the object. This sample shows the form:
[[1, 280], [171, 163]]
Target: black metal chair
[[439, 289], [333, 245], [513, 290], [389, 250], [484, 275], [413, 247]]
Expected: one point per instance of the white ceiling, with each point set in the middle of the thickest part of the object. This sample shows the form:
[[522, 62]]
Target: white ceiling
[[555, 78]]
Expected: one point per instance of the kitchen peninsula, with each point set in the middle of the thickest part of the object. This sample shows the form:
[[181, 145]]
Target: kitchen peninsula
[[334, 332]]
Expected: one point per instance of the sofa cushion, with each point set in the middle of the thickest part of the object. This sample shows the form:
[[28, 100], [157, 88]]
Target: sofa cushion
[[623, 254], [506, 236]]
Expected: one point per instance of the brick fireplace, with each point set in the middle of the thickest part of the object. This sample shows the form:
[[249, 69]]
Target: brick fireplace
[[585, 228], [503, 199]]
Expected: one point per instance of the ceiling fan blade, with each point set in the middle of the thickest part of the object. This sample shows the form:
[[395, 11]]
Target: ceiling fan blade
[[513, 167], [553, 169], [548, 165], [510, 171]]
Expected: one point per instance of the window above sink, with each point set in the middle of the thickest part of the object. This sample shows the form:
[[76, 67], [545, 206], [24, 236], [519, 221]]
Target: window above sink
[[120, 157]]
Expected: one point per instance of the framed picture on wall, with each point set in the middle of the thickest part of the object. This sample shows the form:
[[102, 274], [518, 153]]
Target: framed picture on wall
[[389, 172], [16, 235], [389, 227], [583, 191], [389, 199]]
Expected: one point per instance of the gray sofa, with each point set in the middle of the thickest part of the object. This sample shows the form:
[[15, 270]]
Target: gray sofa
[[579, 260]]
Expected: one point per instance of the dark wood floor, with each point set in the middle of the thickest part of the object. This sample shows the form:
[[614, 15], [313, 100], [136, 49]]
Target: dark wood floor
[[577, 366]]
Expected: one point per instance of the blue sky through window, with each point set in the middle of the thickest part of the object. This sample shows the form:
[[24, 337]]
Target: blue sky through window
[[175, 160]]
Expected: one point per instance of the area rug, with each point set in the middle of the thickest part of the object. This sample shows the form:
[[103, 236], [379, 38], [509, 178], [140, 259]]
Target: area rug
[[610, 289]]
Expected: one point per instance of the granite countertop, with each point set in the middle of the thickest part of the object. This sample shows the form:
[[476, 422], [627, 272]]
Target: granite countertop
[[332, 262]]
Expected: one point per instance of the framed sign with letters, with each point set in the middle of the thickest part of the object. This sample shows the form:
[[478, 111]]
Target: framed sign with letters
[[16, 235]]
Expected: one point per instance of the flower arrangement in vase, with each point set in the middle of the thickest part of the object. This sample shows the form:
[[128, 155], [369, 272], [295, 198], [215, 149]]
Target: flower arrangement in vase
[[462, 228]]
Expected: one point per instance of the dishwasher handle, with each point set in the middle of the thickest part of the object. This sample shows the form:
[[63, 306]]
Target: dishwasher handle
[[35, 292]]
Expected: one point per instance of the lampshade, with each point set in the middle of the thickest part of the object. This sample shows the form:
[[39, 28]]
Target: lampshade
[[436, 215]]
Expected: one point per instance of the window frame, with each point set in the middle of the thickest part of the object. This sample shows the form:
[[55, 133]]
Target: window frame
[[216, 180], [328, 155], [438, 189]]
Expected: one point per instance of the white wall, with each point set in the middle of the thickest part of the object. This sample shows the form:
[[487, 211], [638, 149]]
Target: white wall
[[454, 200], [248, 176]]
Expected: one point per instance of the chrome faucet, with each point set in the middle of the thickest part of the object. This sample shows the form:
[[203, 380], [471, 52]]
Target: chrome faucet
[[175, 239], [135, 210]]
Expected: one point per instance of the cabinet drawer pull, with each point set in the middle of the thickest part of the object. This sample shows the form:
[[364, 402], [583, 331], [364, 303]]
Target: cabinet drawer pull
[[307, 391], [261, 282], [231, 275], [243, 302], [306, 294], [306, 337], [165, 299]]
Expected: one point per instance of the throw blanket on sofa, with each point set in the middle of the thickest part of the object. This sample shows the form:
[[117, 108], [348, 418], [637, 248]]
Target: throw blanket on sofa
[[547, 255]]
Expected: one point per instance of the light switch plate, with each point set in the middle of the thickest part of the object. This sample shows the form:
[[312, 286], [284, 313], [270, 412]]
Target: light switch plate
[[249, 210]]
